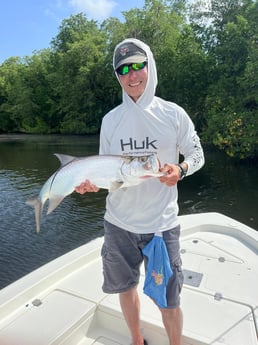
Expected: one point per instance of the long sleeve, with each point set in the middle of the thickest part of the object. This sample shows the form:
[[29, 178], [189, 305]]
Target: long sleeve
[[190, 146]]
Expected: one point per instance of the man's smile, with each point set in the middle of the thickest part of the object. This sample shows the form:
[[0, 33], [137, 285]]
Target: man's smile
[[135, 84]]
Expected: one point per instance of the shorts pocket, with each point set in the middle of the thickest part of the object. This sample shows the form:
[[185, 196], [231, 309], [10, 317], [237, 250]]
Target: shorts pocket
[[177, 269]]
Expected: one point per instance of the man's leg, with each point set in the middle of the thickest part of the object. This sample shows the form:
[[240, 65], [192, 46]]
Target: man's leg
[[130, 305], [172, 316], [173, 322]]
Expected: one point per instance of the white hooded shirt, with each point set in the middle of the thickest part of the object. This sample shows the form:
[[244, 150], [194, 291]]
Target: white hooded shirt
[[138, 128]]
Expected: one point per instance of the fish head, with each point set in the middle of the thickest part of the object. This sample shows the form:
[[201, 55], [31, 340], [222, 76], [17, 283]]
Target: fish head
[[141, 166]]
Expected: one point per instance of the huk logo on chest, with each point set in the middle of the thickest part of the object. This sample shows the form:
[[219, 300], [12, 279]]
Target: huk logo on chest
[[134, 145]]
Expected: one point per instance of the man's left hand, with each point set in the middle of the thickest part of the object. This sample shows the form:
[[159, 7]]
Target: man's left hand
[[172, 175]]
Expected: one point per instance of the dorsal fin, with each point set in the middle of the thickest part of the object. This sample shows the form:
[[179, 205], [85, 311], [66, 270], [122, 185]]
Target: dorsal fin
[[64, 159]]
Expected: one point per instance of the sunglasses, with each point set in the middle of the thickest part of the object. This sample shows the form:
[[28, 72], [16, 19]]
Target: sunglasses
[[125, 69]]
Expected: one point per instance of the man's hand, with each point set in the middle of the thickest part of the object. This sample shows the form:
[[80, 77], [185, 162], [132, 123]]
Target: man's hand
[[172, 175], [86, 187]]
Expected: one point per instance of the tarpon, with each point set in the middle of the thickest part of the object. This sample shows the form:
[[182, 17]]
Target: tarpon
[[105, 171]]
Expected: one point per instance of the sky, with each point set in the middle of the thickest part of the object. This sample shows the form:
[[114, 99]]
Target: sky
[[27, 26]]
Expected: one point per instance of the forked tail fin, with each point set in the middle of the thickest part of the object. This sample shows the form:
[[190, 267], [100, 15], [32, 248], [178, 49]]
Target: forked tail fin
[[38, 206]]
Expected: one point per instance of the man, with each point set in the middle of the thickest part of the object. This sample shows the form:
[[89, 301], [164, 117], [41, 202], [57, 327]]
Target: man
[[142, 124]]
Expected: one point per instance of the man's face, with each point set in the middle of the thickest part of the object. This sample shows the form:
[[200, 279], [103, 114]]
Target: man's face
[[134, 82]]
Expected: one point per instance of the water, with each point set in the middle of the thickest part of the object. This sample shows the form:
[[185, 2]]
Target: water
[[27, 161]]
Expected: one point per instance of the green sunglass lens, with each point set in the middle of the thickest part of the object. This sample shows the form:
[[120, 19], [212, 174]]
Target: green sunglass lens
[[138, 66], [125, 69]]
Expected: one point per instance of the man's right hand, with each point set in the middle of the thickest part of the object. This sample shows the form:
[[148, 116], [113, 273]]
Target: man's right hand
[[86, 187]]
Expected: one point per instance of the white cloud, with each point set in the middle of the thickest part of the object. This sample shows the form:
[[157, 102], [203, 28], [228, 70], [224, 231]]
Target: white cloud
[[96, 9]]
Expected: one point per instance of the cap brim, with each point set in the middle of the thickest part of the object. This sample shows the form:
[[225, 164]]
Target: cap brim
[[131, 59]]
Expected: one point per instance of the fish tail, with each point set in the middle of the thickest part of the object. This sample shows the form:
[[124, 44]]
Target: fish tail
[[38, 206]]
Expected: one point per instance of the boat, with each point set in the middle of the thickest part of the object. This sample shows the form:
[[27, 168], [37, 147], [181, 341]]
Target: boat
[[62, 302]]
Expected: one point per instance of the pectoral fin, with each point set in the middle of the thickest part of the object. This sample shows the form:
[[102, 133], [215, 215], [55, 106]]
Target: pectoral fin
[[115, 186]]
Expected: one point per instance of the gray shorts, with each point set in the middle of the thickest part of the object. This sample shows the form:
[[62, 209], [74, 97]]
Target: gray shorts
[[122, 257]]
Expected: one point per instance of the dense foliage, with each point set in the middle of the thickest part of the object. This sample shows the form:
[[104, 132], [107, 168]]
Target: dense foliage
[[207, 60]]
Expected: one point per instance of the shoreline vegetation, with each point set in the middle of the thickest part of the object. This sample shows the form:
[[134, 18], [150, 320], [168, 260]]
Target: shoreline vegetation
[[206, 59]]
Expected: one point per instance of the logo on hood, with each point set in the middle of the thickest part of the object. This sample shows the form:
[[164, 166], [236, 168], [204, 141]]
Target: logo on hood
[[124, 50]]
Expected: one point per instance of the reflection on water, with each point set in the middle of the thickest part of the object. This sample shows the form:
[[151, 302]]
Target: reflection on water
[[27, 161]]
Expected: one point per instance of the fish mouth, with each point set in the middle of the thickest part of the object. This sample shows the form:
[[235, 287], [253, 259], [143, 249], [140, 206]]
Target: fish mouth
[[157, 174]]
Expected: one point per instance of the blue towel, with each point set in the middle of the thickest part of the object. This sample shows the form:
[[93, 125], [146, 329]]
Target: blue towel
[[158, 271]]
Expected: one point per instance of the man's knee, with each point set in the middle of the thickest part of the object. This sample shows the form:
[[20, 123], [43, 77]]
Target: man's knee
[[131, 293], [171, 313]]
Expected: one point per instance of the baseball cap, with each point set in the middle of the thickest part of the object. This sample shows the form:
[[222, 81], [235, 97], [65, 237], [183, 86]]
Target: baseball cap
[[127, 53]]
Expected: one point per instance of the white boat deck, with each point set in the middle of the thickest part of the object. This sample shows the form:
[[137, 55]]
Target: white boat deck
[[63, 303]]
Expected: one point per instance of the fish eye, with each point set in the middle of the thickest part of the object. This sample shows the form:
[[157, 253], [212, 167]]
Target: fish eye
[[127, 159], [143, 159]]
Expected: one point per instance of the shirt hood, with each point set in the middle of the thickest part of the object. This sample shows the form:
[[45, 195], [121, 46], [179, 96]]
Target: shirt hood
[[149, 92]]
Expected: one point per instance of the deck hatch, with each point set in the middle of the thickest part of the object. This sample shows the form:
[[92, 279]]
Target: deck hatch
[[192, 278]]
